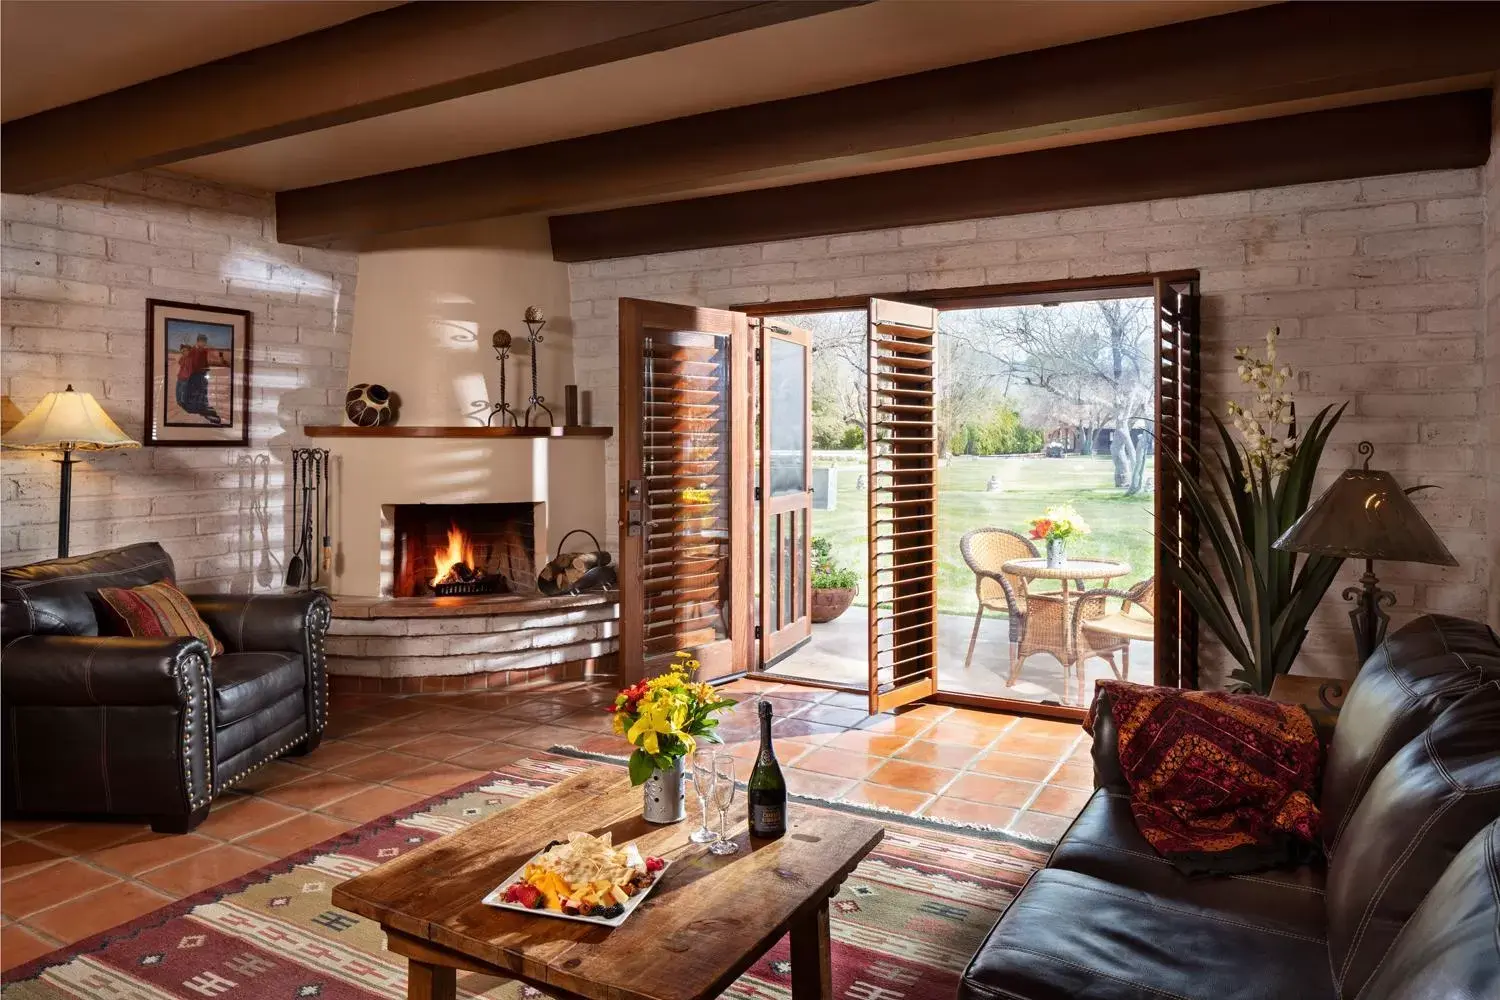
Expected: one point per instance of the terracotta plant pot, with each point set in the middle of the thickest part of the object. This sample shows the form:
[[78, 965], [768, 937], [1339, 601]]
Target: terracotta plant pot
[[829, 604]]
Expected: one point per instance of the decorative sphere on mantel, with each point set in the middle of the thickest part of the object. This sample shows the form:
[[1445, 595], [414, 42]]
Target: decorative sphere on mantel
[[500, 340], [369, 405]]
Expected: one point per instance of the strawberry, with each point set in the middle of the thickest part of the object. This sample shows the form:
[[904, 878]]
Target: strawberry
[[526, 895], [655, 864]]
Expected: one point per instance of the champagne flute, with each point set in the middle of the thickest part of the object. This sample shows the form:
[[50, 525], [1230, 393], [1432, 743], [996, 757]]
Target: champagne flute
[[723, 799], [703, 786]]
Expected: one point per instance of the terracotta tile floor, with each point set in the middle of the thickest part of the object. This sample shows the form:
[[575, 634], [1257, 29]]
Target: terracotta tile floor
[[65, 881]]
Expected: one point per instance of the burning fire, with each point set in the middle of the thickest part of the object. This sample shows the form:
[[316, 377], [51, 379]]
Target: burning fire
[[459, 553]]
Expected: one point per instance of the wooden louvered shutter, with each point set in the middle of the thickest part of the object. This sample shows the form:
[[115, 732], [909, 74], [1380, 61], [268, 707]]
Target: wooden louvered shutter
[[685, 467], [1178, 373], [902, 450]]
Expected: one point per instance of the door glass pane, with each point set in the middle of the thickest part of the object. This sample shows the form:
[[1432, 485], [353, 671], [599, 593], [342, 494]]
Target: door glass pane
[[789, 564], [775, 580], [787, 372], [685, 446], [799, 553]]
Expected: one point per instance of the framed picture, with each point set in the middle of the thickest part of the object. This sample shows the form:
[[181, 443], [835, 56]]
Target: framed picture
[[197, 374]]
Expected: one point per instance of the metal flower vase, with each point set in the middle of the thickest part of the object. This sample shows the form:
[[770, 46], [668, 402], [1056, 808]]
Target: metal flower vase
[[1056, 553], [666, 794]]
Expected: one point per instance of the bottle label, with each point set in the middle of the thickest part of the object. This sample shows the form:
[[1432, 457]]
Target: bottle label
[[767, 818]]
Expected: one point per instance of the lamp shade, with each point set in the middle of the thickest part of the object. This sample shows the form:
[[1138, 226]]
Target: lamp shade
[[1365, 514], [67, 419]]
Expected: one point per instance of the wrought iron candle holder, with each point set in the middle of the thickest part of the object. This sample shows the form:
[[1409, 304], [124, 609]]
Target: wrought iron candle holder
[[537, 404], [501, 342]]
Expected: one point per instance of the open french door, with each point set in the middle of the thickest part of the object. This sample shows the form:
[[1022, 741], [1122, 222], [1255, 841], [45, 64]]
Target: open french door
[[685, 514], [901, 447], [1179, 375], [785, 490]]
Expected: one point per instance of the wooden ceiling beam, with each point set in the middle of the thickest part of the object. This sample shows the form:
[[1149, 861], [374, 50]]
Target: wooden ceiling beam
[[1428, 133], [411, 55], [1235, 66]]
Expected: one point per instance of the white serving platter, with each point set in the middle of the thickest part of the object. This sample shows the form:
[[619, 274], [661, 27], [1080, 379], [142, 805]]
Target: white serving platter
[[497, 898]]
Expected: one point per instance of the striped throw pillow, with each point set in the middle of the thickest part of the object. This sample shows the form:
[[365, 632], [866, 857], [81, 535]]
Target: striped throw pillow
[[157, 611]]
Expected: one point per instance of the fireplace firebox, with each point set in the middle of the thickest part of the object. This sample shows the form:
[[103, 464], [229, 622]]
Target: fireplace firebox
[[455, 550]]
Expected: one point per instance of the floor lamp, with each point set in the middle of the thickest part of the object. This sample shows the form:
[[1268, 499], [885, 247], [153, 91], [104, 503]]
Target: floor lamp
[[68, 421], [1366, 515]]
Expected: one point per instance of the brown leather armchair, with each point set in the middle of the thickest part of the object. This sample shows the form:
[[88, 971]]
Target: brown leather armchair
[[154, 728]]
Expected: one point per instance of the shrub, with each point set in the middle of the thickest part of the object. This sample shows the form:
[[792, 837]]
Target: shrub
[[827, 574]]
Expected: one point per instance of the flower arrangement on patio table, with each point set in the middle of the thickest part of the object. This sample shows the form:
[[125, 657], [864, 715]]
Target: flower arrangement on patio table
[[663, 717], [1058, 524], [1255, 597]]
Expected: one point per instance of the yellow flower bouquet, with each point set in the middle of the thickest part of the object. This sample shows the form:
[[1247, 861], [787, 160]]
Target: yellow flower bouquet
[[665, 716]]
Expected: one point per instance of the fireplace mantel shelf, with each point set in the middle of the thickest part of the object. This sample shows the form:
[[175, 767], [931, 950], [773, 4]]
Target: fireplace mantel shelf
[[338, 430]]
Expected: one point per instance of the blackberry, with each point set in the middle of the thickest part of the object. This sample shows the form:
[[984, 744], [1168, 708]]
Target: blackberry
[[610, 912]]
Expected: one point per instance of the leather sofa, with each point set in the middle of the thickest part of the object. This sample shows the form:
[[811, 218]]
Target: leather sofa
[[153, 728], [1406, 905]]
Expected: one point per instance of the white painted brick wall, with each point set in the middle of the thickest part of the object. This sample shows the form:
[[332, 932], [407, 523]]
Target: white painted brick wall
[[1490, 401], [79, 264], [1377, 284]]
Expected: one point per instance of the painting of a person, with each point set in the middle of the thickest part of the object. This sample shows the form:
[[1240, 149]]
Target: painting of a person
[[192, 380], [200, 371]]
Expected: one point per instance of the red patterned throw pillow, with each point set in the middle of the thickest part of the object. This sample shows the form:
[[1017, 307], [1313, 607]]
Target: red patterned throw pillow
[[157, 611]]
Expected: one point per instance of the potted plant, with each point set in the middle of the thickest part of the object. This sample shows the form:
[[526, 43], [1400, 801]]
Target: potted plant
[[1055, 527], [1256, 598], [663, 718], [833, 587]]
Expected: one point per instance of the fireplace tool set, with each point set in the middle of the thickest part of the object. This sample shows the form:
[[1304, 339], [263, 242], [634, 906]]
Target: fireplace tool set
[[536, 404], [311, 564]]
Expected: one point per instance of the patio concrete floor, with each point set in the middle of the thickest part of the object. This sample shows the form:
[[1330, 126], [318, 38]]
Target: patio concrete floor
[[837, 654]]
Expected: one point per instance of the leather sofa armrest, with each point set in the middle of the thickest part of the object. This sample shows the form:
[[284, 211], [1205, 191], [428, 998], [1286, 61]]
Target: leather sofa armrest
[[265, 622], [1106, 748], [61, 670]]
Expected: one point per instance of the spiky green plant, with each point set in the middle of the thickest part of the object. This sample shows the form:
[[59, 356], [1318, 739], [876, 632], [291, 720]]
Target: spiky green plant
[[1261, 608]]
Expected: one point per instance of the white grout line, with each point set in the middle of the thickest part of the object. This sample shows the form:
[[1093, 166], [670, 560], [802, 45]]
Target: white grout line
[[1066, 755]]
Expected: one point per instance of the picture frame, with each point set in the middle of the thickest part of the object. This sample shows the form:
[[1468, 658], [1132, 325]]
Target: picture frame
[[197, 375]]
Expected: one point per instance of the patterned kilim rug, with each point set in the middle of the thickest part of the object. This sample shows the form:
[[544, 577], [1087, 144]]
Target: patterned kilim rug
[[903, 925]]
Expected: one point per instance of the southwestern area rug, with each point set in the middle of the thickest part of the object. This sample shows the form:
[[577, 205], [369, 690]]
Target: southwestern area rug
[[903, 925]]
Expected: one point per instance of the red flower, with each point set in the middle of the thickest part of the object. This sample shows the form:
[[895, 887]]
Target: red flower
[[1040, 527]]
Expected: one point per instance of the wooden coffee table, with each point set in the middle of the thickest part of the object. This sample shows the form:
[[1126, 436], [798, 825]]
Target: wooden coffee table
[[700, 929]]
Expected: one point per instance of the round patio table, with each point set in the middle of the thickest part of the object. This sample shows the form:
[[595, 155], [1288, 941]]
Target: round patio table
[[1049, 614]]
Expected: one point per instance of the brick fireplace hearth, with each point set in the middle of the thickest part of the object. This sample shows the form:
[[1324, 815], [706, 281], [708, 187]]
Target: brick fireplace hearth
[[464, 643]]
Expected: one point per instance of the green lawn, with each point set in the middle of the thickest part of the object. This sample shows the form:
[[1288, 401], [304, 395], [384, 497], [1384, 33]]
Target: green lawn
[[1029, 484]]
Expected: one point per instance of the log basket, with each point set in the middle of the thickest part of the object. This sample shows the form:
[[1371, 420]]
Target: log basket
[[577, 572]]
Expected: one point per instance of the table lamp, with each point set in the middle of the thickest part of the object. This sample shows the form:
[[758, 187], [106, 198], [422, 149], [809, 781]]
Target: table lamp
[[1366, 515], [70, 421]]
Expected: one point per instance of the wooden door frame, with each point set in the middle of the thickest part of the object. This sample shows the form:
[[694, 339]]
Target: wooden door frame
[[976, 296], [772, 647]]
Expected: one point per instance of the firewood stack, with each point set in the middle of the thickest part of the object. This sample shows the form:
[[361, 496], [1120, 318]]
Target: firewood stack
[[573, 572]]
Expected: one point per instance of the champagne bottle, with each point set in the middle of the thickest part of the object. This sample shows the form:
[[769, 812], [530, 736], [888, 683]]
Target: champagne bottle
[[767, 788]]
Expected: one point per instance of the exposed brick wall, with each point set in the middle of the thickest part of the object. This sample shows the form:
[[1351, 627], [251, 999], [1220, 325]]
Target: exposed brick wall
[[1490, 403], [1375, 283], [79, 264]]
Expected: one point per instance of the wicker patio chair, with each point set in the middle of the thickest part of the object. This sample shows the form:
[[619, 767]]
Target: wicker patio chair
[[986, 550], [1097, 633]]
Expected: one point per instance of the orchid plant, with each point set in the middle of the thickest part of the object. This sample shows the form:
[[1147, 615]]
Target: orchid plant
[[1256, 598]]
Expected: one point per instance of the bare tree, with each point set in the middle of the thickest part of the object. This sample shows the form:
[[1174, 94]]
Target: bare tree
[[1092, 359], [838, 364]]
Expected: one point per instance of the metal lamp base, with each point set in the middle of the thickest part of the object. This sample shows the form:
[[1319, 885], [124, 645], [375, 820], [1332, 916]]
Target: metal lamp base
[[1368, 614]]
